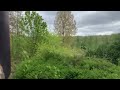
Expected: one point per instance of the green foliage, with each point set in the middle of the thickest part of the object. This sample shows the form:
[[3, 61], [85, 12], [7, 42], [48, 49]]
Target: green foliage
[[58, 54], [18, 49], [31, 32], [30, 69], [95, 63], [50, 61], [111, 51], [114, 51], [101, 46], [33, 26], [89, 68]]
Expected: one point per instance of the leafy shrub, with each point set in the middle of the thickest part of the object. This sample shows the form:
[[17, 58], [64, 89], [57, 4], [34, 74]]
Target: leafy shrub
[[90, 53], [114, 51], [51, 61], [69, 73], [95, 63], [102, 51], [108, 51], [59, 55], [95, 68], [89, 68], [101, 46], [30, 69]]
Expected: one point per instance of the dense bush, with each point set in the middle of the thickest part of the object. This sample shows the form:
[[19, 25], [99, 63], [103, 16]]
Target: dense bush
[[95, 63], [55, 53], [111, 52], [54, 61], [95, 68], [50, 61], [114, 51], [106, 49], [30, 69], [89, 68]]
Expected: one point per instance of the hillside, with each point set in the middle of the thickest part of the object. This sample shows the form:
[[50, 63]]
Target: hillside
[[65, 63]]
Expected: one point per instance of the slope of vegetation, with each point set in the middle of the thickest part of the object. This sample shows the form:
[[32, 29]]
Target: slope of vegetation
[[53, 61], [38, 54]]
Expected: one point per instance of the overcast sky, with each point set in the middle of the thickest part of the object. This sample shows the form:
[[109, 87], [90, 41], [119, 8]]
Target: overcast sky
[[89, 22]]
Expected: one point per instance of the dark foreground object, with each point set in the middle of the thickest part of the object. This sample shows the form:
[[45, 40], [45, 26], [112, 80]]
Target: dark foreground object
[[5, 43]]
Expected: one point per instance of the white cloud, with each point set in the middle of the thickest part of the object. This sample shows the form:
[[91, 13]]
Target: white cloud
[[89, 22]]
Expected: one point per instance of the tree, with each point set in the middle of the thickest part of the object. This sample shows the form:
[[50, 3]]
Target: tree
[[14, 17], [65, 26], [34, 28]]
